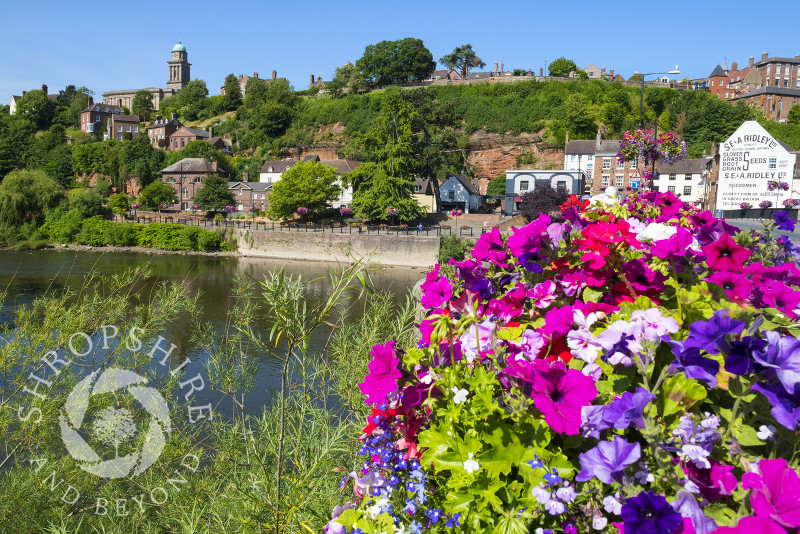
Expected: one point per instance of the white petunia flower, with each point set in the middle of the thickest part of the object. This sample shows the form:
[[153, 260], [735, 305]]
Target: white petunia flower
[[765, 432], [612, 505], [541, 495], [599, 522]]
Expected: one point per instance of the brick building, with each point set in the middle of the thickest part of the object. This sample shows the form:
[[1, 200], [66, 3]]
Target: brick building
[[93, 117], [718, 81], [186, 178], [160, 131], [121, 124], [183, 136]]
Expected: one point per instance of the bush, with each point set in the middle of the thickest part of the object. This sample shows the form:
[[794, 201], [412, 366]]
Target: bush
[[122, 234], [544, 199], [62, 225], [452, 246], [93, 232]]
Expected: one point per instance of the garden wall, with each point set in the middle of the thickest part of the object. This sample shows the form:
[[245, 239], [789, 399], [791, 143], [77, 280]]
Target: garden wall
[[407, 251]]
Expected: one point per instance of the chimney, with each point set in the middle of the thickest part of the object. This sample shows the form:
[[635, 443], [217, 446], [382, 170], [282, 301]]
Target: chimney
[[213, 165], [597, 143], [734, 66], [567, 138], [764, 56], [173, 116], [274, 74], [603, 71], [502, 68], [210, 132], [44, 88], [541, 72], [752, 61], [312, 79], [24, 92], [495, 68], [245, 176], [158, 118], [255, 75], [611, 72], [91, 100], [319, 78]]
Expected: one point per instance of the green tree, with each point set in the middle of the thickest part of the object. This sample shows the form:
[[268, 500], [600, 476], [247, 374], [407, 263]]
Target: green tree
[[142, 104], [214, 195], [232, 98], [794, 114], [86, 202], [520, 72], [391, 62], [155, 194], [375, 192], [37, 108], [580, 117], [497, 186], [119, 203], [26, 196], [308, 184], [347, 77], [462, 58], [138, 158], [561, 67]]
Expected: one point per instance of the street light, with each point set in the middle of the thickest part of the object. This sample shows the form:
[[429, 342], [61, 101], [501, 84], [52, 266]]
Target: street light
[[641, 97]]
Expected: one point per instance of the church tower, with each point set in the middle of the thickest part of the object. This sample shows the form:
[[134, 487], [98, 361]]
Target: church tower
[[178, 68]]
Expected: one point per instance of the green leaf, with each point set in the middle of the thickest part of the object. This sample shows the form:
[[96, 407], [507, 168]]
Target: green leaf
[[679, 392], [746, 435]]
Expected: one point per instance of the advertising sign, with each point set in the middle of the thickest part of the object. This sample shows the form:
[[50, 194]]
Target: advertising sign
[[750, 160]]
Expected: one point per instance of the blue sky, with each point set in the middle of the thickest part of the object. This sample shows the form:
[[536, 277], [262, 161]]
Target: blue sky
[[108, 46]]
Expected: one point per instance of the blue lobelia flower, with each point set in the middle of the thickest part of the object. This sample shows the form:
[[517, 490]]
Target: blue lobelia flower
[[648, 513], [607, 461], [453, 521]]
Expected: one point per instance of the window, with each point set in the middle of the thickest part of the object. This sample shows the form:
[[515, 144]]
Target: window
[[711, 83], [798, 81], [687, 190], [671, 189], [127, 128], [722, 83], [777, 82], [176, 143], [572, 158], [688, 176], [618, 164], [618, 181], [183, 143], [417, 188], [606, 179], [635, 164], [270, 169], [97, 119], [768, 66], [135, 129], [263, 196], [726, 94], [786, 82], [561, 184], [197, 179], [184, 193], [523, 185], [773, 163], [673, 176], [240, 191], [119, 128], [119, 138], [778, 69], [169, 180], [606, 163], [451, 195]]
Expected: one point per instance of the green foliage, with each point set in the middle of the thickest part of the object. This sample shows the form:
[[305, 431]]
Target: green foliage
[[119, 203], [102, 187], [497, 186], [214, 195], [37, 108], [26, 195], [308, 184], [452, 246], [561, 67], [137, 158], [155, 194], [579, 115], [142, 104], [232, 98], [794, 115], [189, 103], [462, 58], [375, 192], [86, 202], [347, 77], [391, 62]]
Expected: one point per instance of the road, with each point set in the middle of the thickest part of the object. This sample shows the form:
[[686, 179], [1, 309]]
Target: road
[[752, 224]]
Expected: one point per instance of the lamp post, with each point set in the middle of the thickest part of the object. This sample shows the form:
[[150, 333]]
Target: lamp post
[[641, 97]]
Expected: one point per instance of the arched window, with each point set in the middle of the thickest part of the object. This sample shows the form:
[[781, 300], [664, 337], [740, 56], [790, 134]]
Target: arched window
[[270, 169], [184, 193]]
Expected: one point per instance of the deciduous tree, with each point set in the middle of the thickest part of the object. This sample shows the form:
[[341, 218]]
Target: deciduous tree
[[794, 114], [308, 184], [232, 98], [497, 186], [214, 195], [561, 67], [156, 194], [390, 62], [462, 58], [26, 195], [142, 104]]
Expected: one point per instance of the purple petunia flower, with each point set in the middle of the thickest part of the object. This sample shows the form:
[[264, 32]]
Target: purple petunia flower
[[607, 461], [708, 335], [785, 405], [648, 513], [686, 505], [627, 410], [692, 364], [782, 355], [739, 358], [784, 222], [560, 394]]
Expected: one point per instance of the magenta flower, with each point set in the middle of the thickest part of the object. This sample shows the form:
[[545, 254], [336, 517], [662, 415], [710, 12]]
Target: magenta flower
[[529, 237], [736, 286], [560, 394], [436, 290], [776, 492], [383, 374], [725, 255], [753, 525], [674, 247], [781, 297], [542, 295], [490, 247]]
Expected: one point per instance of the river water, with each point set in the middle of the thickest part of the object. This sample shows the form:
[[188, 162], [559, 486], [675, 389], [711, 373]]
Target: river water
[[26, 275]]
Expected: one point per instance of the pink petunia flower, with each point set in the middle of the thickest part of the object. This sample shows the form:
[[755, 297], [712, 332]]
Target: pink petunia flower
[[542, 295], [753, 525], [725, 255], [560, 394], [383, 374], [736, 286], [775, 492]]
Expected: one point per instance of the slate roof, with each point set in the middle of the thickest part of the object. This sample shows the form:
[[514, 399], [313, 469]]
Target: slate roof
[[278, 165], [190, 165], [253, 186], [580, 146], [99, 107], [198, 133], [684, 166], [425, 186], [125, 118], [718, 71], [607, 148], [466, 182], [341, 165], [769, 90], [778, 60]]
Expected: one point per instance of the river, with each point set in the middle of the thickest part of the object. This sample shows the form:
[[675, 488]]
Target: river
[[26, 275]]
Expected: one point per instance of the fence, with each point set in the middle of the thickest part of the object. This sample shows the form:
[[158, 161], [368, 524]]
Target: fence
[[272, 226]]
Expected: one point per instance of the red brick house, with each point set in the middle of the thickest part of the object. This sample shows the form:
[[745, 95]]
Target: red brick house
[[186, 178]]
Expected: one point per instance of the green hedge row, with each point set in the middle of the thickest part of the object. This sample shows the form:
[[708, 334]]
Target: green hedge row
[[99, 232]]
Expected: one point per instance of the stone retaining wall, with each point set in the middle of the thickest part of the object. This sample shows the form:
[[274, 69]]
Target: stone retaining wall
[[407, 251]]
